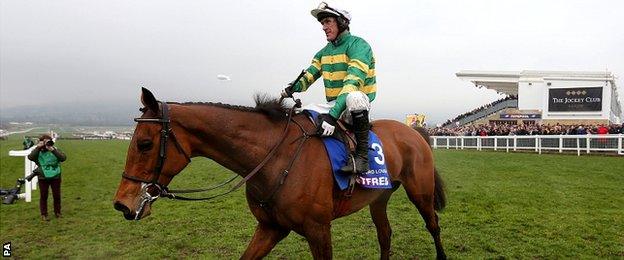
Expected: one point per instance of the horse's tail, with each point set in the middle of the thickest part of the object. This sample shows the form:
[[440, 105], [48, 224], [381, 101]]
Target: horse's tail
[[423, 132], [439, 196]]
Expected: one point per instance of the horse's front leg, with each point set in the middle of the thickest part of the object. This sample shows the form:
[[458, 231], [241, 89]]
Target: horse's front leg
[[264, 239], [319, 239]]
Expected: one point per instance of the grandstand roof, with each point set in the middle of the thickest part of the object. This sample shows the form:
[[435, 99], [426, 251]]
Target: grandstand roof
[[506, 82]]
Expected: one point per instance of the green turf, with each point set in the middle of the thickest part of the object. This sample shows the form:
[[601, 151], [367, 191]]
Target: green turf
[[500, 205]]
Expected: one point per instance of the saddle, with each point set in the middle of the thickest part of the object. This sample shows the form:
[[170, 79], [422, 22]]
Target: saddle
[[343, 132], [340, 148]]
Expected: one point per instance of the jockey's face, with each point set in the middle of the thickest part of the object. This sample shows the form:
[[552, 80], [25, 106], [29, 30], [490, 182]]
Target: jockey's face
[[330, 26]]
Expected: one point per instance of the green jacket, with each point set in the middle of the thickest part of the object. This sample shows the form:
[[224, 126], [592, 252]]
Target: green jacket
[[347, 65], [46, 157]]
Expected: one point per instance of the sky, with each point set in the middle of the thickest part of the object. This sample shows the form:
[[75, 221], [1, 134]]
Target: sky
[[66, 51]]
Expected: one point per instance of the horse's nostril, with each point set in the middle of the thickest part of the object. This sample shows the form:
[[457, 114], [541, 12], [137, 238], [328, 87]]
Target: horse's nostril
[[121, 207]]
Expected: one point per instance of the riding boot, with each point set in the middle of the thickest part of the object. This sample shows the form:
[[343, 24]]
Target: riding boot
[[360, 129]]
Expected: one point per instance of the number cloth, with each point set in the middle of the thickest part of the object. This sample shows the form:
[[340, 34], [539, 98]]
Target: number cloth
[[376, 178]]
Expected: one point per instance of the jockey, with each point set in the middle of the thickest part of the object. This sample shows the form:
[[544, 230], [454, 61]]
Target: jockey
[[348, 69]]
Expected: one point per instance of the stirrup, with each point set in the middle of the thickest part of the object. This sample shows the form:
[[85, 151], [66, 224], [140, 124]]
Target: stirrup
[[353, 163]]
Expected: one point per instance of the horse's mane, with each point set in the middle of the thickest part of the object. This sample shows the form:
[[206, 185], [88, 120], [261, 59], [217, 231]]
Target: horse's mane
[[273, 107]]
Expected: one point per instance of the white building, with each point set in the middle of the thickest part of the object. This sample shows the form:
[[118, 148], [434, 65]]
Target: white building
[[565, 97]]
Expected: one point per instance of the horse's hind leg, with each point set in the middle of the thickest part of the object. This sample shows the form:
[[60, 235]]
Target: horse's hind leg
[[380, 218], [319, 239], [425, 205], [264, 239]]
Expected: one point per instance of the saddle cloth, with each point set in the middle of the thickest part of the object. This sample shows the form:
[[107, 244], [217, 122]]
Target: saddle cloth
[[376, 178]]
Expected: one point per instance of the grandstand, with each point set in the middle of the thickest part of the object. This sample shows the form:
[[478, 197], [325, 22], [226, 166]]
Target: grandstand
[[544, 97]]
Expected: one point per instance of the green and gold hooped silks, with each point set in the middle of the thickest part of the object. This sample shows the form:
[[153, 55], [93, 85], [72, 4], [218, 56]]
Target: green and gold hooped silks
[[49, 164], [346, 65]]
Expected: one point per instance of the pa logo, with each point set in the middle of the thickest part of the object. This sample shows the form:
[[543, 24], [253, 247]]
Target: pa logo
[[6, 249]]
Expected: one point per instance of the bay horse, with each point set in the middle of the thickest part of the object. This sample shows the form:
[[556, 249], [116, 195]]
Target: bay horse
[[288, 193]]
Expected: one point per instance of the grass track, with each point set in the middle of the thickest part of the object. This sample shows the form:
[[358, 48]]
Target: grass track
[[512, 205]]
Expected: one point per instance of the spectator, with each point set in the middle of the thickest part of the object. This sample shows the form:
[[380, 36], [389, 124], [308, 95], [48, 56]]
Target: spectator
[[48, 159], [27, 143], [477, 110], [602, 130], [531, 129]]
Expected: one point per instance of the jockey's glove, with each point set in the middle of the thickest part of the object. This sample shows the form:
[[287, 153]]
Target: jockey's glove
[[287, 91], [326, 124]]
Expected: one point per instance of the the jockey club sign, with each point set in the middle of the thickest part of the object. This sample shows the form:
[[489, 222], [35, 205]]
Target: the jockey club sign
[[575, 99]]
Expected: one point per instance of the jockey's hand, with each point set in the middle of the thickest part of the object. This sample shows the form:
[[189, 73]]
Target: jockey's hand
[[287, 91], [326, 124]]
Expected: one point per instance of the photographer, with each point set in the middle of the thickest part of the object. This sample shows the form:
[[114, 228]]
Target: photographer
[[27, 143], [48, 159]]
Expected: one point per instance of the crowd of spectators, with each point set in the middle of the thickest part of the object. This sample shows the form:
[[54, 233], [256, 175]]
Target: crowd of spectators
[[528, 129], [476, 110]]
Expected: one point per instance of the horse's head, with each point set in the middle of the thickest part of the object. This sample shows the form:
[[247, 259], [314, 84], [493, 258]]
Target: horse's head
[[154, 157]]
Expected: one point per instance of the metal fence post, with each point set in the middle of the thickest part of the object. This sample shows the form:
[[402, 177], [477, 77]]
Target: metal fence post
[[507, 143], [536, 143], [578, 146], [495, 142], [560, 144]]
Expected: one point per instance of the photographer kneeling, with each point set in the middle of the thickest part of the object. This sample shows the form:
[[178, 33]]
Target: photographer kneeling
[[48, 159]]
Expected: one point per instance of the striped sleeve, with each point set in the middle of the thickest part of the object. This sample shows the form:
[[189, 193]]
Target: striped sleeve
[[311, 75], [360, 62]]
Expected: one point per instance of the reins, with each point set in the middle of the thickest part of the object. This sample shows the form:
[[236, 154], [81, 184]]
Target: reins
[[166, 131], [172, 194], [284, 174]]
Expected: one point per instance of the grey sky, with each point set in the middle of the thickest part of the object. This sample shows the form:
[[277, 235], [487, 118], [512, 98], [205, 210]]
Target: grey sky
[[105, 50]]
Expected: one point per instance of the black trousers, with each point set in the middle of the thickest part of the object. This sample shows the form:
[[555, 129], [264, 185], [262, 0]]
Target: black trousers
[[43, 195]]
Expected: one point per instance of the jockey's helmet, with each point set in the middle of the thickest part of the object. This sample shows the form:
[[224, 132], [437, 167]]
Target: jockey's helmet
[[343, 17]]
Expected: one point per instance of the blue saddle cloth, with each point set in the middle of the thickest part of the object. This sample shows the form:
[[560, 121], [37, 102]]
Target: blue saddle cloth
[[376, 178]]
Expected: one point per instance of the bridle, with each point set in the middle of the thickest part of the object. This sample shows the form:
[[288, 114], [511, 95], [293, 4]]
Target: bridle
[[166, 132]]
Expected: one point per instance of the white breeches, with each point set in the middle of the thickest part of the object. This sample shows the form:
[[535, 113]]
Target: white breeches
[[356, 101]]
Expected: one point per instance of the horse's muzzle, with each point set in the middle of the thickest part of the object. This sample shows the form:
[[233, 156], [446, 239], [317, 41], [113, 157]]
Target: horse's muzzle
[[127, 213]]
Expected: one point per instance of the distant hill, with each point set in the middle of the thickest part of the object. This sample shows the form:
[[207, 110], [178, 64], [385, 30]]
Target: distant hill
[[86, 114]]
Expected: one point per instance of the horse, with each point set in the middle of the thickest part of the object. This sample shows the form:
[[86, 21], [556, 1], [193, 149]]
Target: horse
[[293, 189]]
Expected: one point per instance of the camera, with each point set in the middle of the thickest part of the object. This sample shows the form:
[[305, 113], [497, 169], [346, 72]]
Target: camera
[[32, 175], [49, 143], [12, 194]]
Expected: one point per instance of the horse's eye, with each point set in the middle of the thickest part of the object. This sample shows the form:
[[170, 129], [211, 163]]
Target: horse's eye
[[144, 145]]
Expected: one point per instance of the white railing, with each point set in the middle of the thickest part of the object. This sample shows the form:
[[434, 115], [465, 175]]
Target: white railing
[[538, 143], [29, 167]]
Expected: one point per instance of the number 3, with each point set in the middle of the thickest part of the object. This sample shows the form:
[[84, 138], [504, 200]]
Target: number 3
[[378, 159]]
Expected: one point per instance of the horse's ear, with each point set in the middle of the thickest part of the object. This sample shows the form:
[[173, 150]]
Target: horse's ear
[[148, 100]]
